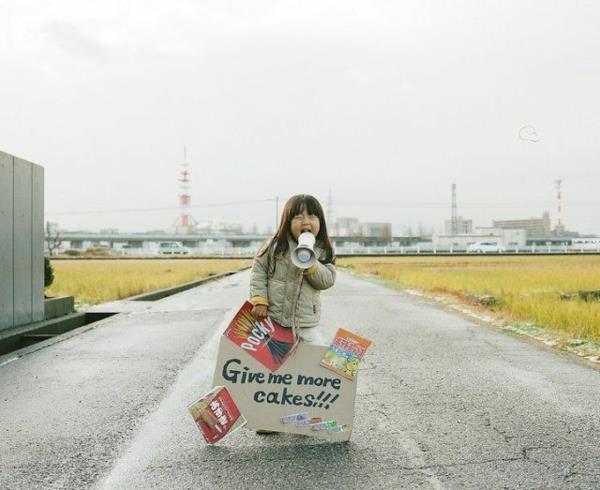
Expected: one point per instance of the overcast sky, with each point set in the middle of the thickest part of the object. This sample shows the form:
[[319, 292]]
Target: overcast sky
[[386, 103]]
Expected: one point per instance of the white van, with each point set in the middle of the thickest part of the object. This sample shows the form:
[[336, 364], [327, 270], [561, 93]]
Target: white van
[[172, 248], [483, 247]]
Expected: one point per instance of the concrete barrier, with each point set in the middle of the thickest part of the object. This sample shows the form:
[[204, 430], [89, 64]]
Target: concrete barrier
[[58, 306], [21, 242]]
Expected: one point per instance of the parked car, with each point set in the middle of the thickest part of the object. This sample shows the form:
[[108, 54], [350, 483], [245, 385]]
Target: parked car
[[484, 247], [172, 248]]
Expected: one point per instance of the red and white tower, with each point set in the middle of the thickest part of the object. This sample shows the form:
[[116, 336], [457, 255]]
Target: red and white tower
[[185, 224]]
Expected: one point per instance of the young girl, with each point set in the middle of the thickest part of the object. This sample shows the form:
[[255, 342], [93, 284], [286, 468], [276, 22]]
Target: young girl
[[289, 295]]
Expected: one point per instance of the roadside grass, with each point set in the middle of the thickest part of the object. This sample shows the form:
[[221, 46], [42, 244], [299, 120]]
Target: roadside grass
[[519, 290], [98, 281]]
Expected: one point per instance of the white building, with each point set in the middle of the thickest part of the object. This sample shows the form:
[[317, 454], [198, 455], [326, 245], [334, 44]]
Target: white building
[[506, 237]]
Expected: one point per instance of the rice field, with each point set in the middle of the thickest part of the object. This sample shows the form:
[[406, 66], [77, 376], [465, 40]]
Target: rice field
[[98, 281], [518, 289], [524, 289]]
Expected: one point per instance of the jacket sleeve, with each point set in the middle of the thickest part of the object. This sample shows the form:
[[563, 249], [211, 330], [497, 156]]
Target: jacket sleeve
[[259, 281], [320, 276]]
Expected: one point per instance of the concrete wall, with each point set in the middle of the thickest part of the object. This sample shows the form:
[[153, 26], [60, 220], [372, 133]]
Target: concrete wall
[[21, 242]]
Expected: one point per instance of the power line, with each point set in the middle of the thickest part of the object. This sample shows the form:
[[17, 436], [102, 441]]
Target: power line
[[166, 208], [470, 205], [395, 204]]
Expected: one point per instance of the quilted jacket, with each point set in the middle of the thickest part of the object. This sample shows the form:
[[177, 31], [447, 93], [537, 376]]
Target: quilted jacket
[[279, 292]]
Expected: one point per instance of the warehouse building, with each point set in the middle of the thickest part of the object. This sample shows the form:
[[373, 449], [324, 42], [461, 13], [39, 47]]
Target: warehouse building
[[538, 227]]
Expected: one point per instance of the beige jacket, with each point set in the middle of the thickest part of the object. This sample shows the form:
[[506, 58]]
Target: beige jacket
[[278, 292]]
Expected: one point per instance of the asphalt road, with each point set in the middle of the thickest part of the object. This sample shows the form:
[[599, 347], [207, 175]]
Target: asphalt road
[[442, 403]]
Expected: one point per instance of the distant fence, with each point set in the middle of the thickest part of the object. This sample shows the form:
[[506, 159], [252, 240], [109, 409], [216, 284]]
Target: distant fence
[[249, 252], [21, 242], [428, 249]]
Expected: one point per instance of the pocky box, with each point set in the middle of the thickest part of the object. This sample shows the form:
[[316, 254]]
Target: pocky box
[[267, 341], [216, 414]]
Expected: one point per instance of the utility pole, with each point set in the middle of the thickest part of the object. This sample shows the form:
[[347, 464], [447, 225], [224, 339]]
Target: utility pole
[[557, 184], [454, 215]]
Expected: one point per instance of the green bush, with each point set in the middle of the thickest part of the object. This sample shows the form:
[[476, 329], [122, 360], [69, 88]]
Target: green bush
[[48, 272]]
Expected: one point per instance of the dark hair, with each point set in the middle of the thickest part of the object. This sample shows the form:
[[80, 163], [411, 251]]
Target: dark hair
[[294, 206]]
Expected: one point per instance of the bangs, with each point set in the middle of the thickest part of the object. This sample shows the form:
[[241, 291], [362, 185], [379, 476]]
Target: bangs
[[305, 202], [294, 206]]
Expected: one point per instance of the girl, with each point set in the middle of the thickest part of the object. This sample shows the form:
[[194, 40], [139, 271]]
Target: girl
[[289, 295]]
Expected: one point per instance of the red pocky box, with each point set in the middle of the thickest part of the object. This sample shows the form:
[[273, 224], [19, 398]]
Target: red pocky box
[[216, 414], [267, 341]]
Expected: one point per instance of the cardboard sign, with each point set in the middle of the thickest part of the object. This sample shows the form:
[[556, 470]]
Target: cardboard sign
[[302, 397]]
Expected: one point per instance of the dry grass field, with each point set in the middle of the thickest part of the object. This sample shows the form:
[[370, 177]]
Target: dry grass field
[[522, 289], [97, 281]]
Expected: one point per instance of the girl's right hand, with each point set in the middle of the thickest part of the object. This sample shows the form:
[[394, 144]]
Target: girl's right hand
[[259, 312]]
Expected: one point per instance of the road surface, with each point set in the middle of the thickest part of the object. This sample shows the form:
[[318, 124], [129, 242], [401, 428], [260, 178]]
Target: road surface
[[442, 403]]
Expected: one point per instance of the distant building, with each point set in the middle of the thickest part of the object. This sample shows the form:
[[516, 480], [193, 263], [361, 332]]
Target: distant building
[[216, 227], [561, 232], [504, 237], [509, 237], [346, 227], [379, 230], [539, 227], [456, 242], [463, 226], [351, 227]]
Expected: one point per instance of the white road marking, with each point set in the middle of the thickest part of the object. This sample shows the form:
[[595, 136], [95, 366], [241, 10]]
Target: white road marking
[[192, 382]]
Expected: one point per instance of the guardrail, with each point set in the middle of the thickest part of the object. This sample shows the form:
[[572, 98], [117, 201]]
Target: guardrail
[[381, 250], [431, 250], [248, 253]]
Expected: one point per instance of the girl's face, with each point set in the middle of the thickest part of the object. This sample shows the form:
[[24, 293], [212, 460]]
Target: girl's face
[[304, 222]]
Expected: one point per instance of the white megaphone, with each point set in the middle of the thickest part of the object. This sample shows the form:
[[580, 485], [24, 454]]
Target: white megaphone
[[303, 256]]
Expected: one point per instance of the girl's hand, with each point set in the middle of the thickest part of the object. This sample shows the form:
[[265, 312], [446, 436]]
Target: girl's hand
[[259, 312]]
